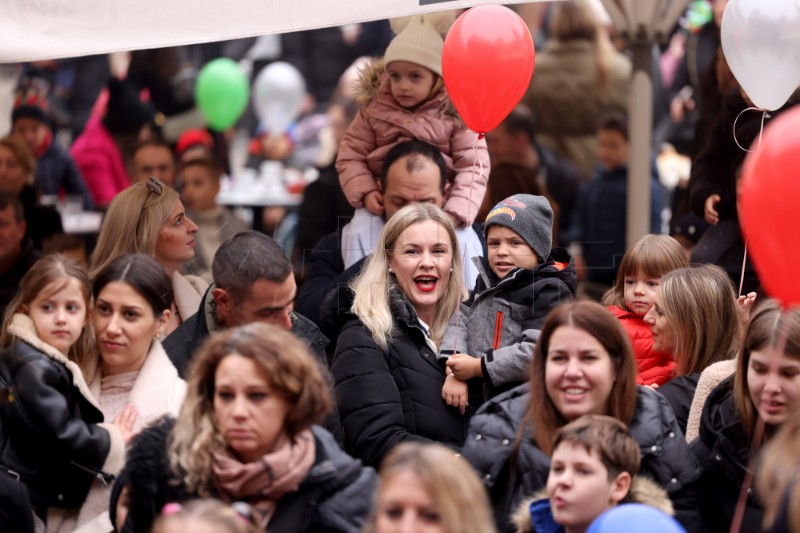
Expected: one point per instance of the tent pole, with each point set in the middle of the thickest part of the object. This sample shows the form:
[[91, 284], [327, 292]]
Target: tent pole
[[641, 140]]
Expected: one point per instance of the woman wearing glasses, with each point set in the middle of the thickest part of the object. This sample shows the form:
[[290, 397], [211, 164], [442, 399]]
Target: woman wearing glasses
[[149, 218]]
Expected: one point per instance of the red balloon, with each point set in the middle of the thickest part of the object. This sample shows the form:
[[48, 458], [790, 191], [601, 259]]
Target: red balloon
[[487, 64], [768, 208]]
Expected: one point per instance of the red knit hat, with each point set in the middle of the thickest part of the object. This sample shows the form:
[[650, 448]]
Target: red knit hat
[[193, 137]]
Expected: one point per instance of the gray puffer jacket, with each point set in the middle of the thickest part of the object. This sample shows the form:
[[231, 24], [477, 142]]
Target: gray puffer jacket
[[501, 321], [513, 467]]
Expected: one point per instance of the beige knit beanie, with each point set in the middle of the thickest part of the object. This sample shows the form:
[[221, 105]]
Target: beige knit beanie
[[419, 39]]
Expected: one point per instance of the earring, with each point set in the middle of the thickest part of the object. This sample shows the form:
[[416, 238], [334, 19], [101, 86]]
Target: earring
[[391, 271], [451, 269]]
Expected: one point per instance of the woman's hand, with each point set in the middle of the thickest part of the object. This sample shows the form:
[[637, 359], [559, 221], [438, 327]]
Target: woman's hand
[[454, 393], [373, 202], [745, 304], [124, 421], [464, 366]]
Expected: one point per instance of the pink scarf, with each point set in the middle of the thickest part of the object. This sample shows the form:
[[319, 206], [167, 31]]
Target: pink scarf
[[263, 482]]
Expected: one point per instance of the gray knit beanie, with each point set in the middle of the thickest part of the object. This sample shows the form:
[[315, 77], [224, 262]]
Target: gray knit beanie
[[531, 217]]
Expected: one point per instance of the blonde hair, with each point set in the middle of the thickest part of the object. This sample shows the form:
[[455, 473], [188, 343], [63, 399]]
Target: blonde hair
[[291, 372], [762, 332], [52, 269], [22, 153], [457, 492], [700, 306], [133, 222], [778, 475], [576, 20], [373, 286], [655, 255]]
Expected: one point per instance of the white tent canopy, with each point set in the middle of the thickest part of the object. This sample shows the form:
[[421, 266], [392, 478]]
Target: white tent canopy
[[50, 29]]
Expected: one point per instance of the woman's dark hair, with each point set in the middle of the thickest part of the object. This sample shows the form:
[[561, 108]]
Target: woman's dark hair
[[143, 274], [542, 415]]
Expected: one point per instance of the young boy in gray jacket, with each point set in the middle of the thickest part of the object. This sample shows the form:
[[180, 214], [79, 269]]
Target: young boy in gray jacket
[[520, 280]]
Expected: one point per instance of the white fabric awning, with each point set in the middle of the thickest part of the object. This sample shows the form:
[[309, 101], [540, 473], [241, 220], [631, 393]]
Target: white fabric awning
[[49, 29]]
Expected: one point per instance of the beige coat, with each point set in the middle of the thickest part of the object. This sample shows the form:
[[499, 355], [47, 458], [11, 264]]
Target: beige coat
[[158, 392], [188, 291], [566, 97]]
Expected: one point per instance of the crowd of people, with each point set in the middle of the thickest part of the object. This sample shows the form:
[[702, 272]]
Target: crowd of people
[[448, 335]]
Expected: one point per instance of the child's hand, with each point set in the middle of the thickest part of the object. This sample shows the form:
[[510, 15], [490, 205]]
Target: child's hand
[[124, 421], [464, 366], [745, 304], [373, 202], [711, 213], [454, 393]]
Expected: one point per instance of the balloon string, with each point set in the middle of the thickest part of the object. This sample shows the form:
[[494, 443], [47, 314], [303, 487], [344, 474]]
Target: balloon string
[[758, 433], [476, 162], [764, 116], [744, 263]]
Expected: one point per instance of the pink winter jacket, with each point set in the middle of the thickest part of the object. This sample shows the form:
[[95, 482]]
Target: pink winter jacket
[[383, 123], [100, 162]]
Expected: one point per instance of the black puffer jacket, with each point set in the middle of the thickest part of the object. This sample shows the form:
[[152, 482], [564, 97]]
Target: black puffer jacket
[[387, 397], [724, 451], [335, 496], [51, 437], [509, 477]]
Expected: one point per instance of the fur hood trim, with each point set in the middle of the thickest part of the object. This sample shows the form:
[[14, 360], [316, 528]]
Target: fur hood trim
[[709, 379], [371, 80], [22, 327], [643, 490]]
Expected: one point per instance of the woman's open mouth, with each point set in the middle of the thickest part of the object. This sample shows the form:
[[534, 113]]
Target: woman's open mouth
[[426, 283]]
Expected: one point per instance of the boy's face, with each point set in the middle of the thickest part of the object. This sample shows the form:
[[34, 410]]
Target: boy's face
[[31, 131], [507, 251], [199, 189], [411, 83], [612, 149], [579, 488]]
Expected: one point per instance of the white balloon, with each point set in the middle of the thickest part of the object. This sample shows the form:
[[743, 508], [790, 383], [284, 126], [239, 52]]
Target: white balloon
[[761, 41], [278, 93]]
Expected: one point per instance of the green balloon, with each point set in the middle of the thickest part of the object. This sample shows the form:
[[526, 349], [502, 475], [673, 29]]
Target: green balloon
[[222, 93]]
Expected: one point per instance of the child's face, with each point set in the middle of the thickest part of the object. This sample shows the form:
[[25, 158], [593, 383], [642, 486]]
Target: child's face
[[579, 488], [640, 292], [411, 83], [199, 190], [59, 314], [507, 251], [612, 149], [31, 131]]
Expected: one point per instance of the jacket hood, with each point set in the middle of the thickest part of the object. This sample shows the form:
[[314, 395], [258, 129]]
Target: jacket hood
[[372, 81], [559, 265], [335, 309], [643, 491]]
